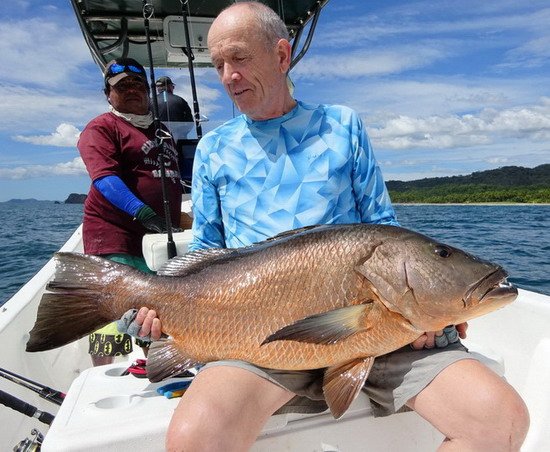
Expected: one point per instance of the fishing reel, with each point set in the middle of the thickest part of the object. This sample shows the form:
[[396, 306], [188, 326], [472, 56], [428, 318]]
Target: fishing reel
[[30, 444]]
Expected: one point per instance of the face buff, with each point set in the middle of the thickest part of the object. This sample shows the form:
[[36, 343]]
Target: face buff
[[141, 121]]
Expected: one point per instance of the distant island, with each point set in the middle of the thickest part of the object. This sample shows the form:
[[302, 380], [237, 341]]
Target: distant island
[[509, 184], [75, 198], [23, 201]]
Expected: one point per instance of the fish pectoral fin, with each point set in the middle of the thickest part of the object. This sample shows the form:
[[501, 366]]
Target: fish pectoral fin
[[164, 360], [325, 328], [341, 384]]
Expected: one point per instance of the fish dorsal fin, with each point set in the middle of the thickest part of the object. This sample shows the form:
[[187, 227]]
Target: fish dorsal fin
[[193, 262], [325, 328], [164, 360], [292, 232], [341, 384]]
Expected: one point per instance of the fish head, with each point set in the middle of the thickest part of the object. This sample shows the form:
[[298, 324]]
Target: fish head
[[433, 284]]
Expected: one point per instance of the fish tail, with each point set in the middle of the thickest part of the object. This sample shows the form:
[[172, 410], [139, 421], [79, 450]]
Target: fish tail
[[78, 301]]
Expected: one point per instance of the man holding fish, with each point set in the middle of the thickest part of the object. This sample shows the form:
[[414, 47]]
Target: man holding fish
[[283, 165], [229, 402]]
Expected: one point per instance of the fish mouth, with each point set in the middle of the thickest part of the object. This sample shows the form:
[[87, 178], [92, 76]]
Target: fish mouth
[[492, 287]]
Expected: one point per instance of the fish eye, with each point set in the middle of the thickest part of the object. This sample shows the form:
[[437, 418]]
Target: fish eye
[[443, 251]]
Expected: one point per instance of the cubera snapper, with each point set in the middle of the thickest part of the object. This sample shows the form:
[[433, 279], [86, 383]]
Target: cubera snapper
[[332, 296]]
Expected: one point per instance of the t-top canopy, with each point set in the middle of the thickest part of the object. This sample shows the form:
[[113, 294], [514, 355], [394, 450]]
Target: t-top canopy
[[115, 28]]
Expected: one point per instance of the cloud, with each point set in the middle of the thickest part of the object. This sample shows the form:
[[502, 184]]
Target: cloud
[[41, 63], [408, 20], [444, 132], [27, 109], [532, 54], [368, 63], [498, 160], [49, 80], [66, 135], [385, 98], [73, 168]]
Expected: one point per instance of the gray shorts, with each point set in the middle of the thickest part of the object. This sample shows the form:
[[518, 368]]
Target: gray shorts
[[395, 378]]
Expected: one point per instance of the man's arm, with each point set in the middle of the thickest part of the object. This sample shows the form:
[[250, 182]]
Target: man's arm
[[117, 193], [208, 230], [369, 187], [102, 159]]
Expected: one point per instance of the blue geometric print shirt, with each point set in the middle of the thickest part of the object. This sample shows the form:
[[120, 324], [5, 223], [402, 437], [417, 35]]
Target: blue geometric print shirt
[[255, 179]]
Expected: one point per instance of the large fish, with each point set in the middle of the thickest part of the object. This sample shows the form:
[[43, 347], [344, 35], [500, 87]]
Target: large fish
[[330, 297]]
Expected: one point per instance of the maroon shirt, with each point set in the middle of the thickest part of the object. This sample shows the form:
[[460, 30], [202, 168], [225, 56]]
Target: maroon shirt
[[109, 145]]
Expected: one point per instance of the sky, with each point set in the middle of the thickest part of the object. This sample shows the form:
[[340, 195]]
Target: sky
[[444, 87]]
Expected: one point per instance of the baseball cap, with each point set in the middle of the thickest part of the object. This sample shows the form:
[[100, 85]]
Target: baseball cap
[[120, 68], [164, 81]]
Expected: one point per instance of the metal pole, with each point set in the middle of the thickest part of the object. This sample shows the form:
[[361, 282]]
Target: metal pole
[[190, 58], [148, 10]]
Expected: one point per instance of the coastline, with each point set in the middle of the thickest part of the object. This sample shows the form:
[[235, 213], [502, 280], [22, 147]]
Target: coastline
[[470, 204]]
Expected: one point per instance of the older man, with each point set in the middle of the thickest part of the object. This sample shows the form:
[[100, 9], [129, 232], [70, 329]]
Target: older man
[[285, 164]]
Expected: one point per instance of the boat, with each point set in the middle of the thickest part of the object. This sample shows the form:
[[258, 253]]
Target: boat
[[132, 416], [105, 408]]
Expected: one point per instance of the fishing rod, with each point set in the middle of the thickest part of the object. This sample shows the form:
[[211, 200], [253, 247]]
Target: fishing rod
[[45, 392], [23, 407], [148, 11], [190, 57]]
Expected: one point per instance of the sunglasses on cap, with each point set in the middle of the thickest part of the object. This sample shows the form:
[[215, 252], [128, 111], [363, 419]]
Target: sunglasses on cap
[[116, 68]]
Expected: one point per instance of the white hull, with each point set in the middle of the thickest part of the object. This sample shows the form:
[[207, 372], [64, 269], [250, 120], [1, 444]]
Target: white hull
[[107, 412]]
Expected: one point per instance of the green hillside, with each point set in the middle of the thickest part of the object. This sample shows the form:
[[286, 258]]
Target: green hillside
[[507, 184]]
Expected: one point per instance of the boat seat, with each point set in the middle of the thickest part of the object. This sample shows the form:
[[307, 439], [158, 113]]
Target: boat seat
[[155, 251]]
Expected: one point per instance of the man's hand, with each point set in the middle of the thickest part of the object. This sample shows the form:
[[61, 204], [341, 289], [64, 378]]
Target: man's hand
[[143, 324], [462, 328], [150, 323], [150, 220], [153, 222], [442, 338]]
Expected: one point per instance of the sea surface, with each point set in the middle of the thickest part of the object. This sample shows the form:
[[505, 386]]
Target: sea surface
[[30, 232], [515, 236]]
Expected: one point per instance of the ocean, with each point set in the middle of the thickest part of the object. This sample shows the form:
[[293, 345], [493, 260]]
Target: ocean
[[30, 232], [515, 236]]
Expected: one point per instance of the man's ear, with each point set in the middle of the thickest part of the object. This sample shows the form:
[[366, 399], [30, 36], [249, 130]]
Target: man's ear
[[284, 52]]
